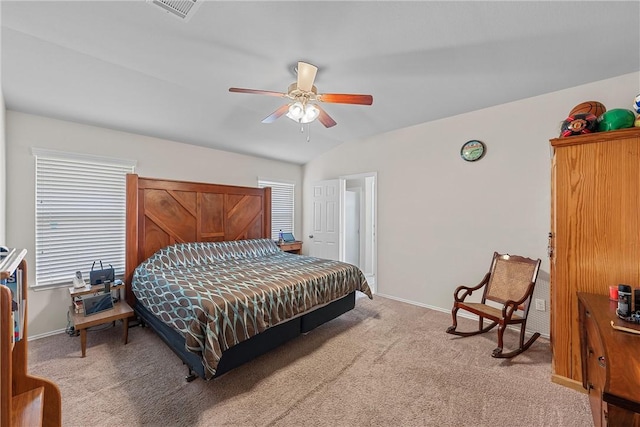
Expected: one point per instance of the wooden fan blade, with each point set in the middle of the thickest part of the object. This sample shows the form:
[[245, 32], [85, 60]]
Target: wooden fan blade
[[346, 98], [276, 114], [256, 91], [325, 119], [306, 76]]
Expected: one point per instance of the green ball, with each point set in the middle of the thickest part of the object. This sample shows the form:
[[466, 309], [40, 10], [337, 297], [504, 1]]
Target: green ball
[[618, 118]]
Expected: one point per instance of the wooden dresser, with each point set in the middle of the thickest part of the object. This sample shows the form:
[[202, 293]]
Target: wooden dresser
[[595, 232], [610, 363]]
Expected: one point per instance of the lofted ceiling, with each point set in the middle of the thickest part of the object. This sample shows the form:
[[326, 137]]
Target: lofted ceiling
[[130, 66]]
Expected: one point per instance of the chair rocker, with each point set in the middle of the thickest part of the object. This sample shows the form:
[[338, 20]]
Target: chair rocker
[[510, 283]]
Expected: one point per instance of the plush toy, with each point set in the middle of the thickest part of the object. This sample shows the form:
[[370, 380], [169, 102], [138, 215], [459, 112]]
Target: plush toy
[[578, 124], [618, 118]]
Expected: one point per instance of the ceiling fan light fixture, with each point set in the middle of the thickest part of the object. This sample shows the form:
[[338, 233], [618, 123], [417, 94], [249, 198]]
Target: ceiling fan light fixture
[[310, 114], [301, 113], [296, 111]]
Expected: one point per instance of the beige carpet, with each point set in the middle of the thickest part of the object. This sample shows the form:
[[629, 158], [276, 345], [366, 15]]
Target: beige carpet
[[385, 363]]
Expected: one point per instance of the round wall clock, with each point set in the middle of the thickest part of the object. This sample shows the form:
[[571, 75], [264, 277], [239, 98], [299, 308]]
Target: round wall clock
[[472, 150]]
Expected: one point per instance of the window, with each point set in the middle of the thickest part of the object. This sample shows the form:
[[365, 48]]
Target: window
[[80, 215], [281, 206]]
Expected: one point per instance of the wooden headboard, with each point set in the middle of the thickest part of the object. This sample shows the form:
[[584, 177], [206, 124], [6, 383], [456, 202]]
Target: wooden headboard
[[162, 212]]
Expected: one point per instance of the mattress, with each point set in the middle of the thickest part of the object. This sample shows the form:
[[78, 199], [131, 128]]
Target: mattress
[[218, 294]]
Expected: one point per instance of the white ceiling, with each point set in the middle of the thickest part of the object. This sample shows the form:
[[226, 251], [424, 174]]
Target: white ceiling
[[129, 66]]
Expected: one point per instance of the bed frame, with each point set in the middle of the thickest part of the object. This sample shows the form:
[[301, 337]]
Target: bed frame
[[163, 212]]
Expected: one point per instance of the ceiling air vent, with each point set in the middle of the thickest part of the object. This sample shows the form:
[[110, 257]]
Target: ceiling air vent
[[183, 9]]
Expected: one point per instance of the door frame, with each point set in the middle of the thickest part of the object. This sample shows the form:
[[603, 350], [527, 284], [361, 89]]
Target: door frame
[[373, 231], [357, 191]]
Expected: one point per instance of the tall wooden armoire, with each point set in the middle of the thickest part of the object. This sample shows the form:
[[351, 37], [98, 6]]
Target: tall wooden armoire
[[595, 232]]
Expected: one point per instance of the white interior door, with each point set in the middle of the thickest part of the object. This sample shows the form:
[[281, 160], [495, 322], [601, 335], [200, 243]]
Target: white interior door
[[326, 237]]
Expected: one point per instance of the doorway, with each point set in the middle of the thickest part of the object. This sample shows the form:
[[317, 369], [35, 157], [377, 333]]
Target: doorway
[[344, 221], [359, 213]]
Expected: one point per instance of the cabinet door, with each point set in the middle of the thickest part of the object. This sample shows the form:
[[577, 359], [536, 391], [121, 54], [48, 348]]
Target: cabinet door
[[595, 369], [596, 233]]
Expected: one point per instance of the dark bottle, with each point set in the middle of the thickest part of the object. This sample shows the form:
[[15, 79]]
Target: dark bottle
[[624, 300]]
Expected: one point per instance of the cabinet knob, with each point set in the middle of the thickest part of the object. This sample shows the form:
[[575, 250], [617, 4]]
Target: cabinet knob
[[602, 362]]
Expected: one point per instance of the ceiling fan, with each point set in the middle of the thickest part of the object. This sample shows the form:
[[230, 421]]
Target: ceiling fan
[[304, 97]]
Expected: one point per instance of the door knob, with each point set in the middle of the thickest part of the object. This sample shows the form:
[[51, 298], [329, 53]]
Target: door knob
[[311, 236]]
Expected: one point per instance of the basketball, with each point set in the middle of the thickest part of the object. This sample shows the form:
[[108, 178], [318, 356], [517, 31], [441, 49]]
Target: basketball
[[589, 107], [579, 124]]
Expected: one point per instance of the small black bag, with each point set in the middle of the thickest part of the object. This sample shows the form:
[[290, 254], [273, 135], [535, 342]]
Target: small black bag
[[104, 275]]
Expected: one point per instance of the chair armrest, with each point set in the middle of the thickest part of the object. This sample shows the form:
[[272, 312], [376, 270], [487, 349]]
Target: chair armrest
[[469, 290], [510, 305], [508, 308]]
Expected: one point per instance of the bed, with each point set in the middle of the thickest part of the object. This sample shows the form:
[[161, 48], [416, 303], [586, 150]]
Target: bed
[[202, 272]]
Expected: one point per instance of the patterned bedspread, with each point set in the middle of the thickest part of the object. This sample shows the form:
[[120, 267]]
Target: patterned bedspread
[[219, 294]]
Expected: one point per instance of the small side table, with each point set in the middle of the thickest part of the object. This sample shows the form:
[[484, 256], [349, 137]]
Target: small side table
[[292, 247], [89, 289], [120, 310]]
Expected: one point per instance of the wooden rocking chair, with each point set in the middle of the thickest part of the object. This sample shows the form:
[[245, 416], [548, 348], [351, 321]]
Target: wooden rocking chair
[[510, 283]]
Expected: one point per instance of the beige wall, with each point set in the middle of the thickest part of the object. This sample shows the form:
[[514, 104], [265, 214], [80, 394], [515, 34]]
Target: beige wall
[[440, 218], [155, 158]]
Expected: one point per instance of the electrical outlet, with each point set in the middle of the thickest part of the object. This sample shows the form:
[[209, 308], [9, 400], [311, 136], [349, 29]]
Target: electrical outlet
[[540, 304]]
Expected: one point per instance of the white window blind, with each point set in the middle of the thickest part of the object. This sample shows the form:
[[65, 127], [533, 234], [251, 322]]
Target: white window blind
[[80, 215], [281, 206]]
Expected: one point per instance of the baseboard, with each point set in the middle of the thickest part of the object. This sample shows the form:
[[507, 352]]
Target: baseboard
[[432, 307], [463, 314], [46, 334], [568, 382]]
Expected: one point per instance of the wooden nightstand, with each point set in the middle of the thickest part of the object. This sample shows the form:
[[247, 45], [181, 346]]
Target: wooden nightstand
[[120, 311], [292, 247]]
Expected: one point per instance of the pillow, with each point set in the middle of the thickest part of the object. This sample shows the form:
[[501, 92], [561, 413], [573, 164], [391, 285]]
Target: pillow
[[199, 253]]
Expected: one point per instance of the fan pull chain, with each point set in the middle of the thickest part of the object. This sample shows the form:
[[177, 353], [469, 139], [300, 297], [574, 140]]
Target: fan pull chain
[[308, 130]]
